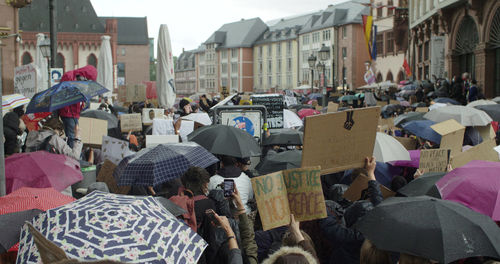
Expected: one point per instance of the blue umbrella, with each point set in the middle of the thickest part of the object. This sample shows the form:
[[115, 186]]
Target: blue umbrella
[[64, 94], [446, 100], [165, 162], [422, 128], [384, 173], [409, 87], [315, 96]]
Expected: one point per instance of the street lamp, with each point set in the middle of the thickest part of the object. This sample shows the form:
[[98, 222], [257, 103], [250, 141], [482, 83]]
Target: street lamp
[[45, 49], [312, 61], [324, 55]]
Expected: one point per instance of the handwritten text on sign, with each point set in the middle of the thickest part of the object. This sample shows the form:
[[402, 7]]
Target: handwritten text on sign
[[296, 191], [25, 80], [434, 160], [274, 106]]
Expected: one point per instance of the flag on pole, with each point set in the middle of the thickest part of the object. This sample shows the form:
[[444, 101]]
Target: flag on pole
[[406, 66], [367, 27]]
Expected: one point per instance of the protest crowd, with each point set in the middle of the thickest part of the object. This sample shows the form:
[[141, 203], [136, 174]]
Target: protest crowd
[[402, 174]]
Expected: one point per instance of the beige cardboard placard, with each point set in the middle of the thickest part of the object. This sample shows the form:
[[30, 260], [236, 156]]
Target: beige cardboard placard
[[408, 143], [360, 184], [422, 109], [486, 132], [149, 114], [319, 107], [332, 107], [295, 191], [483, 151], [130, 122], [381, 103], [92, 130], [394, 102], [385, 124], [434, 160], [452, 135], [340, 141], [136, 93], [106, 176]]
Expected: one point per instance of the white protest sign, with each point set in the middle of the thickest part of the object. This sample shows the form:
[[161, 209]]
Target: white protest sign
[[149, 114], [114, 149], [163, 127], [185, 129], [25, 80]]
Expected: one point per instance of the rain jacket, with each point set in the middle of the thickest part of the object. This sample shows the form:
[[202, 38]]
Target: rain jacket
[[90, 73], [247, 235], [36, 138], [241, 180], [10, 131]]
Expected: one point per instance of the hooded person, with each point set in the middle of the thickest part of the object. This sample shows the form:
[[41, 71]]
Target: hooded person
[[71, 113], [11, 129], [230, 170], [184, 108]]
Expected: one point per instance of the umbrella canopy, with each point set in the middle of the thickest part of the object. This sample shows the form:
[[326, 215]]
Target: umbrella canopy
[[226, 140], [105, 64], [420, 104], [492, 110], [165, 85], [388, 149], [164, 162], [41, 169], [290, 119], [475, 185], [405, 103], [481, 102], [274, 162], [285, 136], [347, 98], [446, 100], [64, 94], [314, 96], [436, 229], [404, 118], [33, 198], [12, 101], [124, 228], [496, 99], [422, 128], [103, 115], [466, 116], [423, 185], [413, 163], [10, 227], [303, 113], [384, 172], [32, 120], [436, 106]]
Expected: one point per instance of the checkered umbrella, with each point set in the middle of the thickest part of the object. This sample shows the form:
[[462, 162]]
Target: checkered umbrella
[[165, 162], [109, 226]]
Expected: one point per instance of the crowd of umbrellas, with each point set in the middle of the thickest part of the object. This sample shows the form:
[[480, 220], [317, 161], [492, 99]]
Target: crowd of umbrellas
[[442, 216]]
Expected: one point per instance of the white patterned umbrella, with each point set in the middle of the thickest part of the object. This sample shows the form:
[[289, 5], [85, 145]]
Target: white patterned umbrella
[[12, 101], [466, 116], [389, 149], [291, 119], [109, 226]]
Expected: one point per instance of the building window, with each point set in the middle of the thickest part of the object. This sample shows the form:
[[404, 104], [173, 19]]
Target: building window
[[92, 60], [278, 50], [60, 61], [390, 8], [123, 51], [326, 35], [344, 52], [379, 11], [260, 52], [224, 54], [234, 83], [344, 74], [305, 39], [289, 48], [234, 68], [305, 75], [389, 77], [223, 82], [234, 53], [279, 66], [260, 81], [380, 44], [288, 65], [269, 81], [420, 53], [269, 67], [344, 32], [120, 66], [426, 50], [288, 80], [260, 67], [26, 59], [224, 68], [315, 37], [390, 42]]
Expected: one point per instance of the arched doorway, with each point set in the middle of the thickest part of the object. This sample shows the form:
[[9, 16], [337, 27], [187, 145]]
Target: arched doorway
[[60, 63], [389, 77], [495, 44], [379, 78], [401, 76], [26, 58], [465, 44], [92, 60]]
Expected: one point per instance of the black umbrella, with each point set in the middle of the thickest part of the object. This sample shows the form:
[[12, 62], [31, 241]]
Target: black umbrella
[[389, 109], [435, 229], [171, 206], [423, 185], [99, 114], [226, 140], [421, 104], [285, 136], [120, 109], [299, 107], [398, 121], [274, 162], [492, 110], [11, 225]]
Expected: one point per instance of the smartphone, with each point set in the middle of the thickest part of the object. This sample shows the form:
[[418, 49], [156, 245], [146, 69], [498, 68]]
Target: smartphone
[[228, 187], [211, 215]]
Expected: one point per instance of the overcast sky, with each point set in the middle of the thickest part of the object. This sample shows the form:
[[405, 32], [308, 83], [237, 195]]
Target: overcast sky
[[191, 22]]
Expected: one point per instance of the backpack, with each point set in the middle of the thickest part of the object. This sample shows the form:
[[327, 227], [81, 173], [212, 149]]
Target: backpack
[[45, 146], [186, 202]]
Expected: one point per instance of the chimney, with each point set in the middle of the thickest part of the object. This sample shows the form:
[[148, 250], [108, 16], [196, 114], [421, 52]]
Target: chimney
[[182, 50]]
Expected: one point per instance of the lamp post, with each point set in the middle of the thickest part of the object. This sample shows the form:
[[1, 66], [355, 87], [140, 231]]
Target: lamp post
[[312, 61], [324, 55], [45, 49]]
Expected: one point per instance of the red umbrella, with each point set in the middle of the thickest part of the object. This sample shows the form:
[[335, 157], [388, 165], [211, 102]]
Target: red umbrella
[[307, 112], [31, 120], [41, 170]]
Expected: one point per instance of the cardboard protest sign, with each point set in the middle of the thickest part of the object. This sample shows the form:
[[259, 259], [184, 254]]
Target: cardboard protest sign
[[452, 135], [332, 107], [25, 80], [483, 151], [114, 149], [353, 193], [154, 140], [486, 132], [386, 124], [106, 175], [296, 191], [434, 160], [136, 93], [130, 122], [422, 109], [274, 106], [149, 114], [340, 141], [319, 108], [381, 103], [92, 130], [408, 143]]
